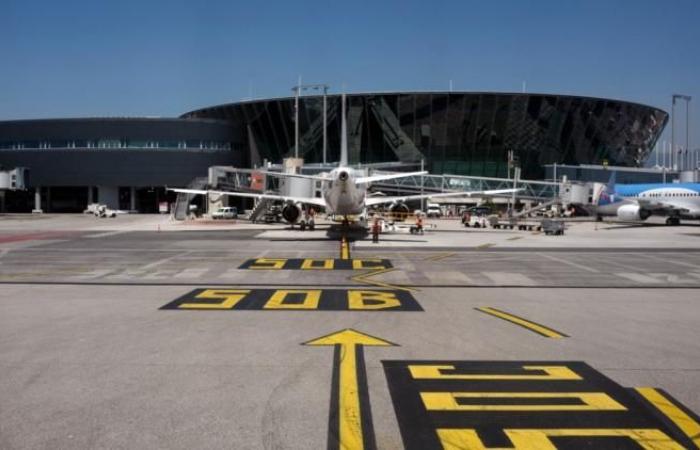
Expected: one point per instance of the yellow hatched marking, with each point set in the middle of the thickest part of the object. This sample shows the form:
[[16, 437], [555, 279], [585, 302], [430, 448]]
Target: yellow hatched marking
[[682, 420], [468, 439], [540, 329]]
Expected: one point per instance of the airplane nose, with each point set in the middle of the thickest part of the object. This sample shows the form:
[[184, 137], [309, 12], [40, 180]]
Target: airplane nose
[[343, 176]]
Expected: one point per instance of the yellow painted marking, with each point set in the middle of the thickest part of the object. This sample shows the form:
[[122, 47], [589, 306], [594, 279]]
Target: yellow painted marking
[[311, 299], [229, 298], [434, 372], [344, 249], [312, 264], [514, 238], [533, 439], [268, 263], [363, 278], [439, 256], [687, 424], [359, 264], [590, 401], [485, 245], [349, 413], [370, 300], [548, 332]]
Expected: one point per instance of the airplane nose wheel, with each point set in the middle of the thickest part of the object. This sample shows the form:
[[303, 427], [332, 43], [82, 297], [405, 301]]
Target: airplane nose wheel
[[673, 221]]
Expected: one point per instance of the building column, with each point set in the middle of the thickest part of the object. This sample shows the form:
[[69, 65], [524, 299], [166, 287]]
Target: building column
[[132, 198], [37, 200], [90, 201], [109, 196]]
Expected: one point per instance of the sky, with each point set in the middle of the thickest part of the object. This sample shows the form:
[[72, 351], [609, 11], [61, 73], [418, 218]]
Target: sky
[[163, 58]]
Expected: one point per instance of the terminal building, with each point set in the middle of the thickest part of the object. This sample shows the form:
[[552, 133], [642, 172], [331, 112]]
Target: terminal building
[[127, 162]]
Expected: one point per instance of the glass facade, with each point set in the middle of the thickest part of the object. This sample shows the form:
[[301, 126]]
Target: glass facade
[[457, 133], [115, 143]]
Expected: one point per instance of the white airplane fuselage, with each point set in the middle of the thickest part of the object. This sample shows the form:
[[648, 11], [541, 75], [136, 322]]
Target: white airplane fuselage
[[344, 197]]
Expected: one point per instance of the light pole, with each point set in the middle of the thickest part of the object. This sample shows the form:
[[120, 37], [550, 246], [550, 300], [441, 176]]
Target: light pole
[[297, 93], [687, 99]]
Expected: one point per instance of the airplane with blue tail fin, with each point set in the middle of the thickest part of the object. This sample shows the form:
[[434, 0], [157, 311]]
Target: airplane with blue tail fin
[[635, 202]]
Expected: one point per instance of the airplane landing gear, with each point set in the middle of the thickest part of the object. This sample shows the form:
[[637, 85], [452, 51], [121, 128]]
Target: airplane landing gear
[[673, 221]]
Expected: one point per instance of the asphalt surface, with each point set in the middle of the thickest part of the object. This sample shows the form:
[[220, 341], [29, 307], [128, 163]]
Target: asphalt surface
[[90, 359]]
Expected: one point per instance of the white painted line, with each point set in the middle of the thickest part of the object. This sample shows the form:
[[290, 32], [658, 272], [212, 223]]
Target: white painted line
[[448, 277], [192, 272], [105, 234], [569, 263], [97, 273], [638, 277], [162, 261], [671, 261], [509, 278]]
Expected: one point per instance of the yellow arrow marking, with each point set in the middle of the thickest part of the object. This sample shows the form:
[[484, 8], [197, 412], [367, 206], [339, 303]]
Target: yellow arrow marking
[[350, 388]]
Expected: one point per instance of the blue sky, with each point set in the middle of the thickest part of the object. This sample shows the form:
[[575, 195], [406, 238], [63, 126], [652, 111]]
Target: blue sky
[[162, 58]]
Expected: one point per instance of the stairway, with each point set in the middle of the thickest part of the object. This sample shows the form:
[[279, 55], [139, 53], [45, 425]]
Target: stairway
[[183, 200], [259, 209]]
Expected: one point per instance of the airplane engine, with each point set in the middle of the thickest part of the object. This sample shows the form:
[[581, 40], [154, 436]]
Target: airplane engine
[[291, 212], [399, 211], [632, 212]]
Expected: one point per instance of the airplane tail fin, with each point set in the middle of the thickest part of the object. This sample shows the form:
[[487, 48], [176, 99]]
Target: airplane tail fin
[[610, 187], [606, 194], [343, 135]]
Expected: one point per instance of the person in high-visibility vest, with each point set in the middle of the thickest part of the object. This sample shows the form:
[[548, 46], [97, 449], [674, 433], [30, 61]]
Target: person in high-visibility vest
[[375, 230], [419, 223]]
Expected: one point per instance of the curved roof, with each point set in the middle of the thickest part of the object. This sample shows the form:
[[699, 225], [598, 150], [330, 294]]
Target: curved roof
[[194, 112]]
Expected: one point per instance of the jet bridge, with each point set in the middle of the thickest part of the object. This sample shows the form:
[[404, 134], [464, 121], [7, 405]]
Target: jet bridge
[[532, 190]]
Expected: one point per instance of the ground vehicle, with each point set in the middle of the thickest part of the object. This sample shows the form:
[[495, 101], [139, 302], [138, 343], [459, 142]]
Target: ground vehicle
[[434, 210], [102, 211], [475, 221], [226, 212], [555, 227]]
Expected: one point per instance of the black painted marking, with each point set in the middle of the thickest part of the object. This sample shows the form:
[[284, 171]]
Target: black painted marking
[[333, 414], [316, 264], [418, 425], [363, 393], [330, 300]]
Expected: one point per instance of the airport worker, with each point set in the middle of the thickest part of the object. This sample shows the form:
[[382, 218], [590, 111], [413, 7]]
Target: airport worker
[[375, 230], [419, 223]]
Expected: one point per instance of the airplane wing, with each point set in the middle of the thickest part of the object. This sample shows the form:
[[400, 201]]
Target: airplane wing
[[659, 206], [285, 198], [391, 176], [370, 201]]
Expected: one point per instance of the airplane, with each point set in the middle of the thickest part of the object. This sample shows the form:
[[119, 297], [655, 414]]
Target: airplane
[[634, 202], [344, 190]]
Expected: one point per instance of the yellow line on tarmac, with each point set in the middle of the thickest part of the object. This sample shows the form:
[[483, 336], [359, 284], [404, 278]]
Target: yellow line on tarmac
[[487, 245], [682, 420], [344, 249], [362, 278], [439, 256], [532, 326]]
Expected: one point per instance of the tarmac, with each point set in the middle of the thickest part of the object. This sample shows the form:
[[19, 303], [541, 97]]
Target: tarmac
[[140, 332]]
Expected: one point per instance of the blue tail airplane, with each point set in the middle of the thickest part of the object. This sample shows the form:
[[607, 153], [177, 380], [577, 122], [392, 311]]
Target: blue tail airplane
[[633, 202]]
